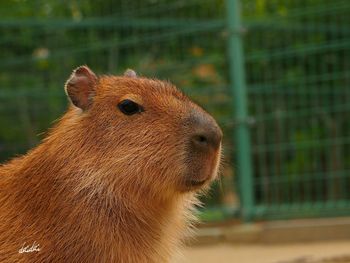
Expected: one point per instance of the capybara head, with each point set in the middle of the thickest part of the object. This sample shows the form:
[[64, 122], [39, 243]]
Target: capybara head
[[150, 137]]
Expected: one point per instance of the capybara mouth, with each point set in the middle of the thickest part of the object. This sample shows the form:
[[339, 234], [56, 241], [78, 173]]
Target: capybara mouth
[[201, 172], [195, 183]]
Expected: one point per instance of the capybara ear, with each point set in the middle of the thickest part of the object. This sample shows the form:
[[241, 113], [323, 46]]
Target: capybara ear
[[80, 87], [130, 73]]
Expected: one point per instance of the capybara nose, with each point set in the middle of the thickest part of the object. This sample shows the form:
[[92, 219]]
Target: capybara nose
[[207, 134]]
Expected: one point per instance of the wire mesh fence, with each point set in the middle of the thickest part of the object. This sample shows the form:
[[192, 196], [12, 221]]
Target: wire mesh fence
[[297, 73], [297, 59]]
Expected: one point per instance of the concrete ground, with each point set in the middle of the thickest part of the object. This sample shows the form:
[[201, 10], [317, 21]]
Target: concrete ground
[[319, 252]]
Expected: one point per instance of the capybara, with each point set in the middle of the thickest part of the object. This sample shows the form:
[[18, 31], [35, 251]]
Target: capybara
[[115, 179]]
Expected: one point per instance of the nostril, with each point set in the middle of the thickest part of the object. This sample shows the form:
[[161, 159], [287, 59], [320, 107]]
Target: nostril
[[210, 138], [204, 132], [200, 139]]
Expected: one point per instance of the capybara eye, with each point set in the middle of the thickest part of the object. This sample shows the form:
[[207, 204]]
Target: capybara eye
[[128, 107]]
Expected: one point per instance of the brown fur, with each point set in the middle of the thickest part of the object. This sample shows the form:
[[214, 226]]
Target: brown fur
[[103, 186]]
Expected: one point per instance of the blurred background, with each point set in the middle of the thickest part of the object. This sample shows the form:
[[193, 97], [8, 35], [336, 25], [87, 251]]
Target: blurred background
[[274, 73]]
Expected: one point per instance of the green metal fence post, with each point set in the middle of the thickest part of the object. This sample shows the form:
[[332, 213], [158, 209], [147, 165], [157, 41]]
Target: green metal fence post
[[238, 89]]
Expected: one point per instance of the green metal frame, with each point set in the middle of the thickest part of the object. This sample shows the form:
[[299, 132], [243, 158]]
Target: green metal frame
[[241, 118]]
